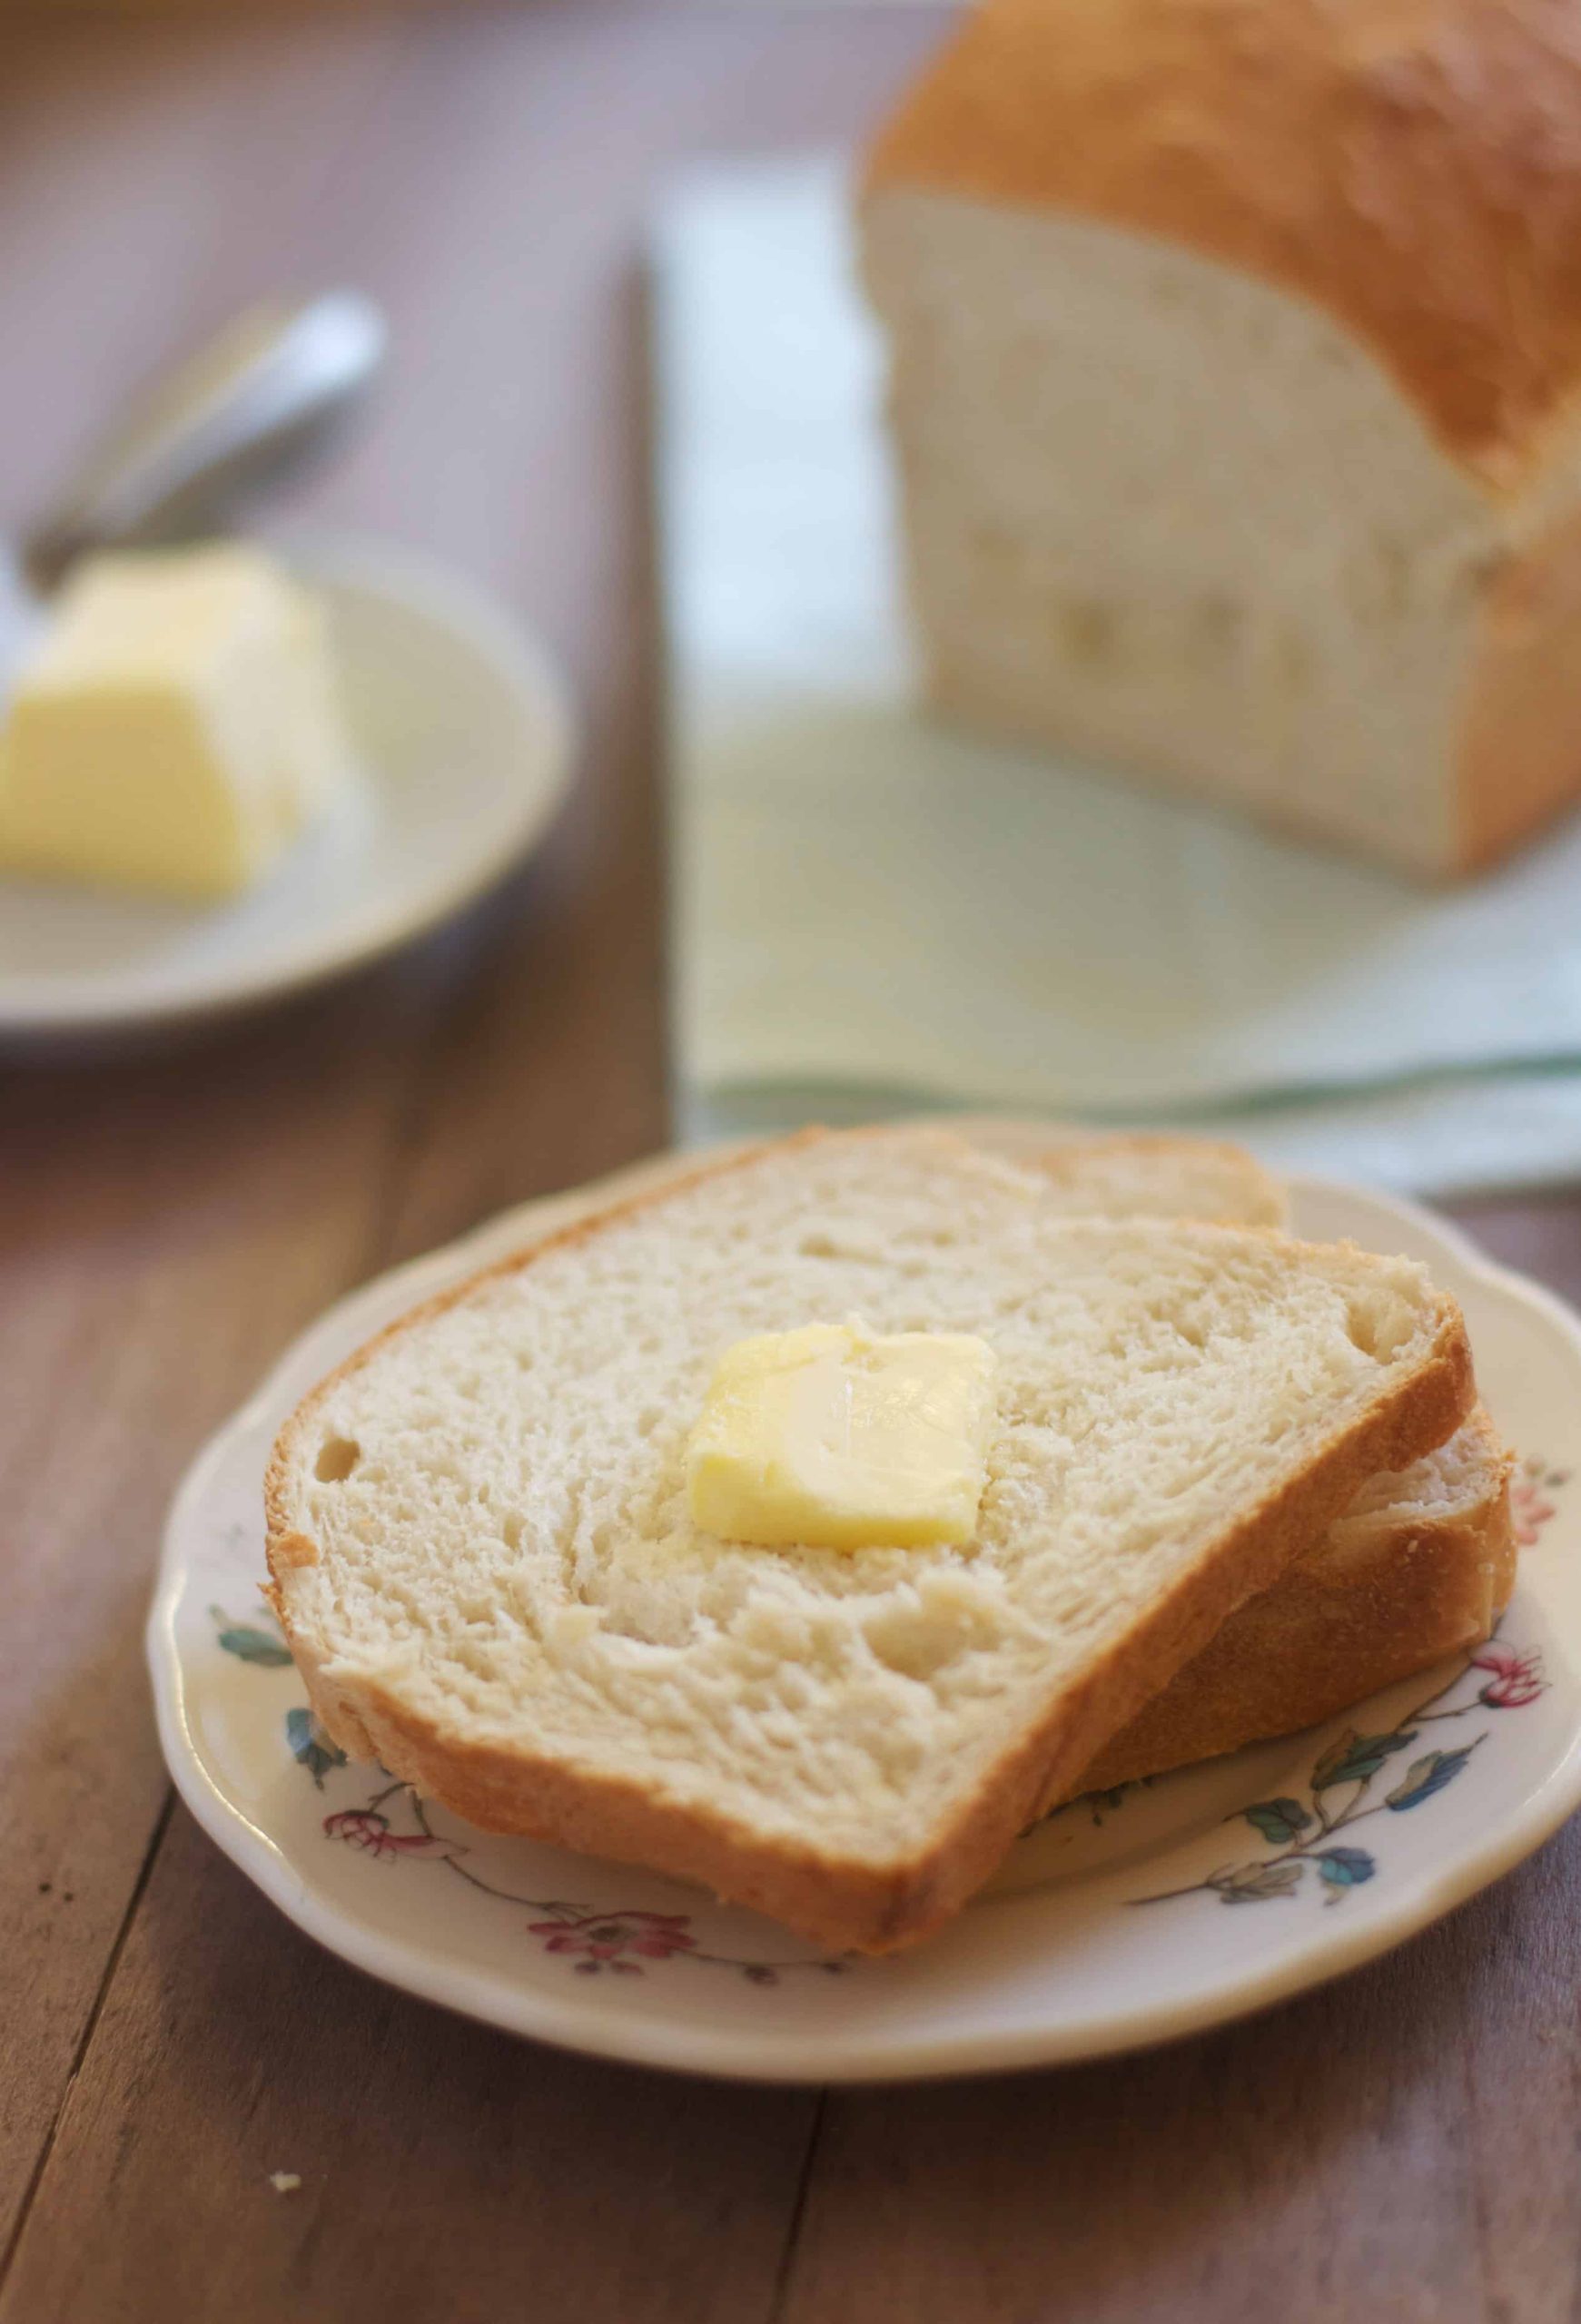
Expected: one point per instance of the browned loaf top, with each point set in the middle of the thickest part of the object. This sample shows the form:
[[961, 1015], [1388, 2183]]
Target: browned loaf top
[[1413, 166]]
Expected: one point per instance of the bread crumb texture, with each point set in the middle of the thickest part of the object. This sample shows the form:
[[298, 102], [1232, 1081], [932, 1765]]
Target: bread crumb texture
[[496, 1491]]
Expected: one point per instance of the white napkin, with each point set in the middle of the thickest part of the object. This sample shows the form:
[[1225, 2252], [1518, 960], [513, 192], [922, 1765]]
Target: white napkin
[[872, 913]]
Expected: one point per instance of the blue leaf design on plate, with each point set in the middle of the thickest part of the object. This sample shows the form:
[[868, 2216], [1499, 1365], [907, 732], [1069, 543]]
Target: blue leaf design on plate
[[1278, 1819], [1253, 1884], [1427, 1774], [310, 1748], [1355, 1757], [1343, 1868], [250, 1645]]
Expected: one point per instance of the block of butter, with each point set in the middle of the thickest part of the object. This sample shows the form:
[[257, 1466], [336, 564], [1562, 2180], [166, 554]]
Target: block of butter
[[839, 1438], [175, 726]]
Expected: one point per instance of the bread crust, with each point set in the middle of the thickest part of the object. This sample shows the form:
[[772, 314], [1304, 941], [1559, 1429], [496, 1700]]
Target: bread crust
[[1415, 170], [843, 1903], [1261, 1199]]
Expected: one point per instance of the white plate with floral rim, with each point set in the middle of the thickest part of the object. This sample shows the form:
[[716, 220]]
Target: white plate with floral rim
[[1122, 1920]]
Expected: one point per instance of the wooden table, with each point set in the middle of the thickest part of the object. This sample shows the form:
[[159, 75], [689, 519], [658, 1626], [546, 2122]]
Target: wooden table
[[1406, 2145]]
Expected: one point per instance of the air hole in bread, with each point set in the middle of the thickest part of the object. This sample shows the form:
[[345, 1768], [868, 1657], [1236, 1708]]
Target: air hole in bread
[[847, 1244], [511, 1532], [337, 1456], [1218, 624], [1378, 1329], [818, 1247], [1090, 630], [1480, 572], [1393, 579], [1293, 664], [917, 1641]]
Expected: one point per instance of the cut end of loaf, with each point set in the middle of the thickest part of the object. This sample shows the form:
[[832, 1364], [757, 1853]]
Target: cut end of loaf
[[1390, 670]]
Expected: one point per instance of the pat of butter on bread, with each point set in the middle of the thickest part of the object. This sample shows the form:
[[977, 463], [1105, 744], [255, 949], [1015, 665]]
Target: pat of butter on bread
[[837, 1438], [175, 727]]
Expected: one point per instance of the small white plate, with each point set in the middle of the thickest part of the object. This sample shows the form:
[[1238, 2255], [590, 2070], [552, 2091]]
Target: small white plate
[[465, 740], [1120, 1921]]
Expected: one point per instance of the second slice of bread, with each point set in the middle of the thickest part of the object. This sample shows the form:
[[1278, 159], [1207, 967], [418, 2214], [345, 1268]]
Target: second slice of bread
[[1419, 1567], [482, 1558], [1147, 1174]]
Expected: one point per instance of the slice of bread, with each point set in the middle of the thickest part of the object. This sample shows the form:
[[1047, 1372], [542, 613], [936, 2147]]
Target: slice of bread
[[1419, 1567], [480, 1550]]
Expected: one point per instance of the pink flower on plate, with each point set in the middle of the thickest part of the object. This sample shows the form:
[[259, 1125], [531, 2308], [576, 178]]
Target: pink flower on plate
[[1530, 1509], [601, 1938], [364, 1827], [1518, 1678]]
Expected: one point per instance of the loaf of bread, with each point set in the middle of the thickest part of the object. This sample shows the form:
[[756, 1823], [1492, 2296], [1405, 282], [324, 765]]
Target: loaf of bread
[[481, 1552], [1236, 361]]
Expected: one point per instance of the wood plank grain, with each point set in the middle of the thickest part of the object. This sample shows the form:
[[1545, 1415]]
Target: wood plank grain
[[447, 2171], [1386, 2149], [166, 1220], [176, 1218], [167, 1225], [152, 184]]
